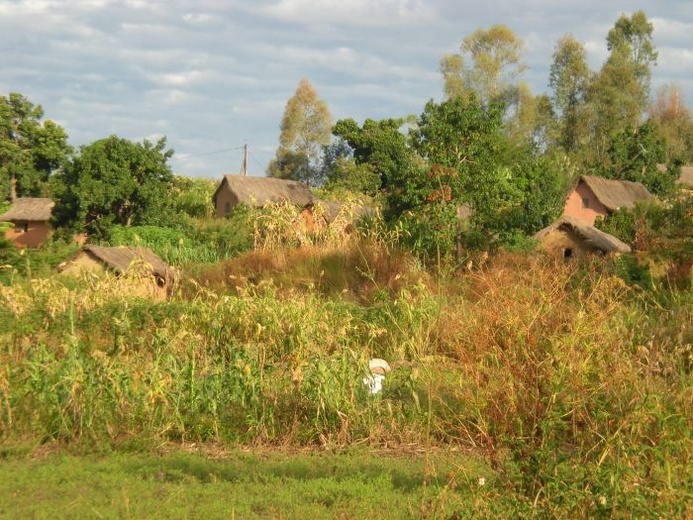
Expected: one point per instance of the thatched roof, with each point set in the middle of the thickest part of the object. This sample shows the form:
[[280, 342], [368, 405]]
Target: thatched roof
[[258, 191], [593, 236], [615, 194], [120, 258], [29, 209]]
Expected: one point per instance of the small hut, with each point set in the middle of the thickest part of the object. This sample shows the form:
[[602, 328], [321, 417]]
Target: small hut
[[256, 192], [157, 277], [30, 217], [572, 238], [594, 197]]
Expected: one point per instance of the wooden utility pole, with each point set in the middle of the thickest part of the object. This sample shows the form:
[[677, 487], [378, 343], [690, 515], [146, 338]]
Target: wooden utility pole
[[244, 166]]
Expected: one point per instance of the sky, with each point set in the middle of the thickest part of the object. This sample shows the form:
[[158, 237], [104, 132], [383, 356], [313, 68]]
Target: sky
[[213, 75]]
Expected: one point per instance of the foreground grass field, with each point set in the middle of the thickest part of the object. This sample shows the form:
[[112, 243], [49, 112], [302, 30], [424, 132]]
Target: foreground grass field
[[274, 484], [566, 386]]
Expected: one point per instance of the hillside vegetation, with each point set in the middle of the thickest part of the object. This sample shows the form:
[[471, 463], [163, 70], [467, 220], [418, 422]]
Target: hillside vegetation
[[572, 384]]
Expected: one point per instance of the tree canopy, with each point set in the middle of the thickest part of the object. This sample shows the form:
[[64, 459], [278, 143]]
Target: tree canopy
[[379, 144], [569, 80], [113, 181], [490, 68], [305, 129], [496, 62], [30, 148], [509, 187], [620, 92], [634, 154]]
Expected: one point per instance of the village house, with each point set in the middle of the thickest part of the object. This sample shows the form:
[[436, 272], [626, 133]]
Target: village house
[[157, 278], [30, 219], [596, 197], [256, 192], [569, 237]]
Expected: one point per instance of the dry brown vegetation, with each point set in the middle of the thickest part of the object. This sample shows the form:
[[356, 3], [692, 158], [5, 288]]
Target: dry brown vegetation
[[572, 383]]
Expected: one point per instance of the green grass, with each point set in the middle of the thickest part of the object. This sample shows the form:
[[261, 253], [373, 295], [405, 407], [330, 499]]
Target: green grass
[[571, 384], [359, 484]]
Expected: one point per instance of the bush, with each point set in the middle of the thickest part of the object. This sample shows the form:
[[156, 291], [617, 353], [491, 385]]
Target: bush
[[649, 222], [205, 241]]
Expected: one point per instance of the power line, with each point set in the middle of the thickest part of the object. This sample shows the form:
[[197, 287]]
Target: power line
[[266, 152], [185, 157], [256, 161]]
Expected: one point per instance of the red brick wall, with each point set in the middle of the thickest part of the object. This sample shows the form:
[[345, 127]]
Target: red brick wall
[[574, 205], [36, 234]]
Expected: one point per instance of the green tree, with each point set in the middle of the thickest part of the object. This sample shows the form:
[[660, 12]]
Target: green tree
[[634, 155], [631, 38], [342, 173], [490, 67], [619, 94], [113, 181], [528, 120], [192, 197], [359, 178], [305, 129], [569, 78], [496, 62], [30, 149], [539, 186], [510, 188], [457, 138], [382, 147]]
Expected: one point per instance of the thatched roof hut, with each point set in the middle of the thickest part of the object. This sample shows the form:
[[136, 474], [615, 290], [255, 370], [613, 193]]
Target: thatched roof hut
[[615, 194], [121, 259], [257, 192], [572, 237], [594, 197], [29, 209], [30, 217]]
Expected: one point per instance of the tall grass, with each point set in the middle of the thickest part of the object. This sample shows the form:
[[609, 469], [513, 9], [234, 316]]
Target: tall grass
[[574, 385]]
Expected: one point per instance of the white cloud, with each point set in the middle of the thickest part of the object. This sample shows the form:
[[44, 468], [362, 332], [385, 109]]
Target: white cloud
[[359, 12], [32, 7], [169, 97], [212, 74], [198, 18], [179, 79], [145, 5], [675, 63], [672, 32]]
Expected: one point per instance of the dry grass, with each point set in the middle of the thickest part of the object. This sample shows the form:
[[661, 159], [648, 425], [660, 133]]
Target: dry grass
[[573, 384], [356, 270]]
